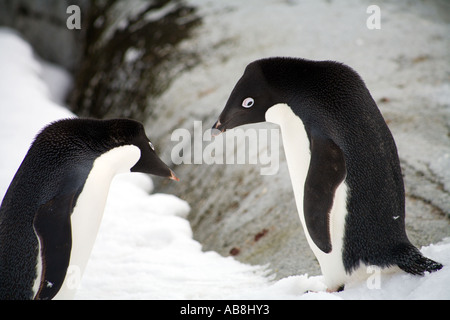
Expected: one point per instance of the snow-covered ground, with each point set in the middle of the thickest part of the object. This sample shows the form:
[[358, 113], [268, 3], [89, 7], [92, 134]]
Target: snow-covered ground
[[145, 248]]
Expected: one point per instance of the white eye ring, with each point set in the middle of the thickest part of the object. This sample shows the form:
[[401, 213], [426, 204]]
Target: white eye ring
[[248, 103], [151, 146]]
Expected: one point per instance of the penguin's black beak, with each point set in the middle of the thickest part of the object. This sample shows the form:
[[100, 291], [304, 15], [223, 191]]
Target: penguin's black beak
[[150, 163], [233, 117], [217, 128], [228, 121], [173, 176], [231, 122], [156, 167]]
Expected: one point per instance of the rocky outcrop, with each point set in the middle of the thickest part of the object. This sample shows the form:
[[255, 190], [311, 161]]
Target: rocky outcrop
[[131, 56], [123, 54]]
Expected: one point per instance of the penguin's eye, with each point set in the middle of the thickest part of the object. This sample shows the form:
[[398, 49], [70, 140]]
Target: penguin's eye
[[248, 103], [151, 146]]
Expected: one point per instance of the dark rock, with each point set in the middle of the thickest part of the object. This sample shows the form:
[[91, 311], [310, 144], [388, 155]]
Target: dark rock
[[131, 56]]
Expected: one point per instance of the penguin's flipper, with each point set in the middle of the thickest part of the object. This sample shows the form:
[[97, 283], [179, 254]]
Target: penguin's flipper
[[326, 172], [52, 225]]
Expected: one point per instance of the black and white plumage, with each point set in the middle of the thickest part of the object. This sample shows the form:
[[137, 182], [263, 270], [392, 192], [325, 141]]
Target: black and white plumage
[[52, 210], [342, 161]]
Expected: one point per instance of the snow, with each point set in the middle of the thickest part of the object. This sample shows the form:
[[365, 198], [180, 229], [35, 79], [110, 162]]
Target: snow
[[145, 248]]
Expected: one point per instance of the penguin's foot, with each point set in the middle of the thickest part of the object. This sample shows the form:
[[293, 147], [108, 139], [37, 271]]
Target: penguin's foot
[[338, 289]]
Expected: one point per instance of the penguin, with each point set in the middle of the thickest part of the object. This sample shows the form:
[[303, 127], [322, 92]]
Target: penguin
[[342, 161], [51, 212]]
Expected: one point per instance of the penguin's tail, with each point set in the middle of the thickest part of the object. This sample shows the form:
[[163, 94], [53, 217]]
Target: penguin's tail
[[411, 260]]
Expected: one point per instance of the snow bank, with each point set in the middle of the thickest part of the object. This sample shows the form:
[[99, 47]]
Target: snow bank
[[145, 248], [26, 103]]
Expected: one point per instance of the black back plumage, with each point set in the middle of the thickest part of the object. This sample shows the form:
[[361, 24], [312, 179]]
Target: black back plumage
[[338, 113], [333, 101], [38, 179]]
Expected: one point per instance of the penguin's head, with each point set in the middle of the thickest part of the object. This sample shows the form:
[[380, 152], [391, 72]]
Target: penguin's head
[[249, 100], [91, 138], [129, 132]]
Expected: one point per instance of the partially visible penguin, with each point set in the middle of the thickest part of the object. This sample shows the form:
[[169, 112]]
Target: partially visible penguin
[[342, 160], [52, 210]]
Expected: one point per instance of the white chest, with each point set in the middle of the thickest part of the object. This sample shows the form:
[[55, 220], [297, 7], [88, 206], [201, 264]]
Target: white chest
[[88, 212], [297, 150]]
